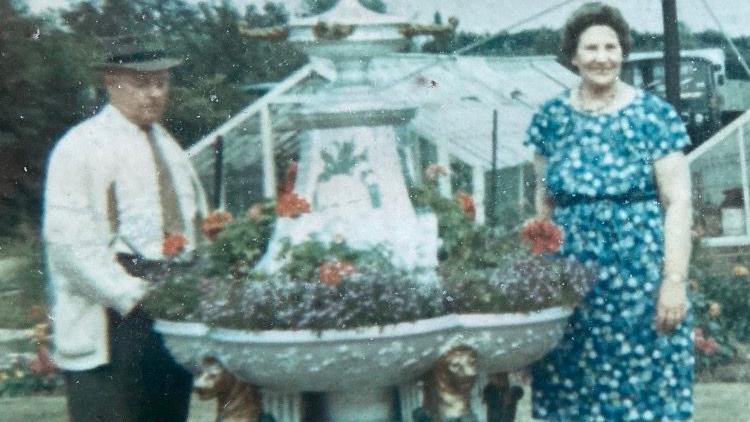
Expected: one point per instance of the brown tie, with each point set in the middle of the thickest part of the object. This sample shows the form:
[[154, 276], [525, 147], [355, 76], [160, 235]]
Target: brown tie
[[170, 205]]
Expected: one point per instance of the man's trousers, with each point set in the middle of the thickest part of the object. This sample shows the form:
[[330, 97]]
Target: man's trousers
[[142, 383]]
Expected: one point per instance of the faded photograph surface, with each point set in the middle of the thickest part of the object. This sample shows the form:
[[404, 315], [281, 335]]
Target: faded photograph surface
[[374, 210]]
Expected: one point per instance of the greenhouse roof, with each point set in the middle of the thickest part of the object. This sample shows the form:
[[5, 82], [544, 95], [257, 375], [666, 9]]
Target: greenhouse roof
[[454, 98]]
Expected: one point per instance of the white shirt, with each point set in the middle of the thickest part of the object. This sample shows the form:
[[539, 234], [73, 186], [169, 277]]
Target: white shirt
[[103, 155]]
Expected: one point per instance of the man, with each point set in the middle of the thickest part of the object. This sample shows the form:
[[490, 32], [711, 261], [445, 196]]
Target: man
[[117, 185]]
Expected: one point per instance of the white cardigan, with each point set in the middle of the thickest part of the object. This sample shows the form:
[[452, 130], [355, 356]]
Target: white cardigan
[[103, 156]]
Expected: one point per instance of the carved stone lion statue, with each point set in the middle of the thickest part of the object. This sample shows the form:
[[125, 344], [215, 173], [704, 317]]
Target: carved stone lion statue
[[448, 387], [236, 401]]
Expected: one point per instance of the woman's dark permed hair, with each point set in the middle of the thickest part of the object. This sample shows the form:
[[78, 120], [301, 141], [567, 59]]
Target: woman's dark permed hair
[[588, 15]]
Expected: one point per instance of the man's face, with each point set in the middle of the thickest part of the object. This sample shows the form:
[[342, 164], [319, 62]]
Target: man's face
[[140, 96]]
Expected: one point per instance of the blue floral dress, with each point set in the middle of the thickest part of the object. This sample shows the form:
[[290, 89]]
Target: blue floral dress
[[611, 364]]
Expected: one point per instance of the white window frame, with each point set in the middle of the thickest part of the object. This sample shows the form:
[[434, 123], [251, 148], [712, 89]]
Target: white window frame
[[738, 127]]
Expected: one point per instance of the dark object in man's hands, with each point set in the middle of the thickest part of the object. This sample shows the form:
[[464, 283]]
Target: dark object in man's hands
[[150, 270]]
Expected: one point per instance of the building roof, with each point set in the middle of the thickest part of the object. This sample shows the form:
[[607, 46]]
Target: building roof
[[457, 98]]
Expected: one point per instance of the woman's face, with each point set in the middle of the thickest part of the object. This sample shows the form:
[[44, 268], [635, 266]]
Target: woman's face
[[598, 56]]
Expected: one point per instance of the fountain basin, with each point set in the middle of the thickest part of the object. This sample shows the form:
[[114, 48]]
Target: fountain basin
[[341, 360]]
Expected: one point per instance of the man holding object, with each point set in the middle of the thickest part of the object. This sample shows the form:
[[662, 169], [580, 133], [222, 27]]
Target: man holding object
[[118, 187]]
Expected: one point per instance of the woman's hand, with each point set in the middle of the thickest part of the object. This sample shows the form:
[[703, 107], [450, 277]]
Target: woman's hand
[[671, 305]]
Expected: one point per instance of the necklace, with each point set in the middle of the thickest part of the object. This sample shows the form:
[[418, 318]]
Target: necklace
[[596, 104]]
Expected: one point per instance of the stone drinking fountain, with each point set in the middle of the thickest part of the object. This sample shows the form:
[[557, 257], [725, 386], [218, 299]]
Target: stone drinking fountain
[[350, 173]]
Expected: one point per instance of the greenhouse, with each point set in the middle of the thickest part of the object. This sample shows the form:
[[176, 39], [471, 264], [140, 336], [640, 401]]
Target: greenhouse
[[452, 126]]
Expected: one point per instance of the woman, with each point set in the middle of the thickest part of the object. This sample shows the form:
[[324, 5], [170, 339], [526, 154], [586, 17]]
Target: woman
[[611, 174]]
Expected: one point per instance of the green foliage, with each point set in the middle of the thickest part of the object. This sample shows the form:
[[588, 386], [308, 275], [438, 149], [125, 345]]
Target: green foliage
[[179, 294], [17, 379], [732, 293], [231, 256], [522, 43], [713, 329], [243, 242], [484, 270], [721, 305], [464, 244], [316, 7], [44, 89], [219, 61], [343, 163], [22, 281], [446, 44], [454, 229], [303, 260]]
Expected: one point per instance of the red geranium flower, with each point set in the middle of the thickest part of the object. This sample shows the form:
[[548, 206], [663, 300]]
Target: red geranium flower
[[467, 205], [174, 244], [214, 223], [707, 346], [291, 205], [332, 273], [541, 236]]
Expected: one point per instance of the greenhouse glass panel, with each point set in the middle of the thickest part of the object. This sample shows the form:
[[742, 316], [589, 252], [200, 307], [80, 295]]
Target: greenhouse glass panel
[[720, 185]]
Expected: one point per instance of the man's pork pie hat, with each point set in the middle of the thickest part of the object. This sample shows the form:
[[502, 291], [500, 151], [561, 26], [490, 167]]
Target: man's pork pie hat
[[142, 53]]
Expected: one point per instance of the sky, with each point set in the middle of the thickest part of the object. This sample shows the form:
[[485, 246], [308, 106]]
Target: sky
[[491, 16]]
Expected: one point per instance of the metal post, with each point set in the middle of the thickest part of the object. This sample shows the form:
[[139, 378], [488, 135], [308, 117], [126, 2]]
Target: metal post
[[218, 171], [492, 214], [269, 165], [744, 175], [521, 190], [671, 52], [477, 183]]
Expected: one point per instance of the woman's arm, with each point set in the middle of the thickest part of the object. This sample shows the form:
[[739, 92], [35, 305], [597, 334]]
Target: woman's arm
[[541, 201], [673, 180]]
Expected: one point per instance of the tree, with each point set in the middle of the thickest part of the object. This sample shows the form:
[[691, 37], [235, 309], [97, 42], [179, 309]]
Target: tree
[[115, 17], [316, 7], [688, 40], [44, 90], [448, 42], [219, 61]]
